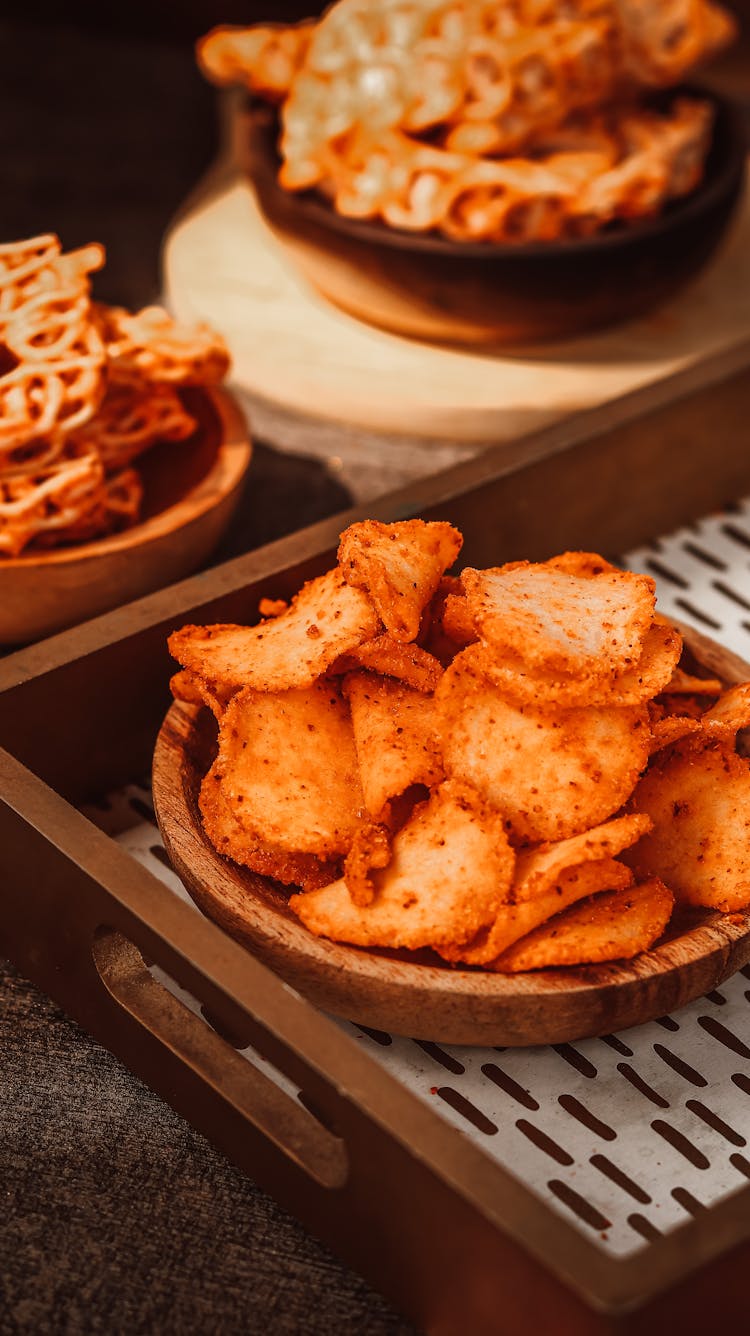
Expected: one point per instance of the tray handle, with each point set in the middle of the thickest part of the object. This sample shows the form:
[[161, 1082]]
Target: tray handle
[[236, 1079]]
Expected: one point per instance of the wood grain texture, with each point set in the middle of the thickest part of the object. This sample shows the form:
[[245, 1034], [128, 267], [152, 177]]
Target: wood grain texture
[[423, 285], [191, 489], [414, 993], [223, 264]]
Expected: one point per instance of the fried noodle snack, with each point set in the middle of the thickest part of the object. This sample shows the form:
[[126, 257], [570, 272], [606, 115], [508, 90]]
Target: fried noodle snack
[[84, 391], [532, 801], [492, 121]]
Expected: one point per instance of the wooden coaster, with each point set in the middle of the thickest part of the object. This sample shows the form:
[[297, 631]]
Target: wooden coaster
[[297, 357]]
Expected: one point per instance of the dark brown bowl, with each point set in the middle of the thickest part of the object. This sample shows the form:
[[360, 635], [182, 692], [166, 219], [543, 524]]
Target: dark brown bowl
[[429, 287]]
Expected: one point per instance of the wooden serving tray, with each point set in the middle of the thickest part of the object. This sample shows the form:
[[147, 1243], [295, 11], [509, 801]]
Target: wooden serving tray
[[455, 1238], [415, 993]]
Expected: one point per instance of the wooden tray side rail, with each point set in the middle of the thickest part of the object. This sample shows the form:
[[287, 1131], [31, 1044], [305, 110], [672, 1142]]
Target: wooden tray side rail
[[606, 480], [454, 1239], [458, 1239]]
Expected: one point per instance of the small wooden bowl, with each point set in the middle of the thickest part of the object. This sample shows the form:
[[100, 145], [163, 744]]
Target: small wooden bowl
[[191, 489], [429, 287], [414, 993]]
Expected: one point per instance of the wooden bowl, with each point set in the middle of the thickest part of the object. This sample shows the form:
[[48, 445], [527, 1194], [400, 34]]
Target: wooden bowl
[[191, 489], [429, 287], [414, 993]]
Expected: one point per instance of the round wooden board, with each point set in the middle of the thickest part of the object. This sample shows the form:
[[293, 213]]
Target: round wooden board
[[413, 993], [301, 360]]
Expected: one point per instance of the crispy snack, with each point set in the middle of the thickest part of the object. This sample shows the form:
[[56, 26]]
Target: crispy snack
[[265, 58], [371, 849], [395, 737], [535, 684], [419, 114], [53, 358], [287, 769], [552, 772], [195, 690], [409, 664], [450, 870], [151, 341], [515, 921], [134, 415], [685, 684], [591, 626], [652, 157], [229, 837], [399, 567], [69, 496], [325, 620], [697, 794], [615, 925], [554, 777], [75, 413]]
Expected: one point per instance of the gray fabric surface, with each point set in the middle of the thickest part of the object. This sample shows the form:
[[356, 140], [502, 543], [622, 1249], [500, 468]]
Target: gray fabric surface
[[118, 1217]]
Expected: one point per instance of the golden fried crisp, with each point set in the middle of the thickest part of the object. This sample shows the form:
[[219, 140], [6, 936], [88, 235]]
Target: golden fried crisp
[[514, 921], [451, 869], [231, 839], [636, 684], [537, 869], [614, 925], [394, 733], [195, 690], [697, 794], [682, 683], [399, 567], [730, 713], [409, 664], [580, 625], [670, 729], [371, 849], [552, 772], [287, 767], [326, 619]]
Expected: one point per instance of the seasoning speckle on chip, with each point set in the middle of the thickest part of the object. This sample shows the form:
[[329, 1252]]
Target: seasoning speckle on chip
[[538, 792]]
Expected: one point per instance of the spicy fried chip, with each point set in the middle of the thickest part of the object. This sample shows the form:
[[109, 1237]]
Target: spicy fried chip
[[637, 683], [233, 840], [552, 772], [514, 921], [450, 869], [615, 925], [395, 737], [697, 794], [408, 663], [287, 768], [561, 622], [371, 849], [325, 620], [399, 566], [557, 772]]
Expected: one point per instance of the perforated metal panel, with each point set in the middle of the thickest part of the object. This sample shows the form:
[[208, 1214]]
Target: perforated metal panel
[[623, 1135]]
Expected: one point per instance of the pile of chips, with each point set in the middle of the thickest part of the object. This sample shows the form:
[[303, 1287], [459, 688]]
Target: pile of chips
[[84, 390], [500, 120], [510, 767]]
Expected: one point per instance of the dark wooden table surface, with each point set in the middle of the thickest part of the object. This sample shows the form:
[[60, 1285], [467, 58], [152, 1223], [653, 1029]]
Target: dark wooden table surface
[[115, 1215]]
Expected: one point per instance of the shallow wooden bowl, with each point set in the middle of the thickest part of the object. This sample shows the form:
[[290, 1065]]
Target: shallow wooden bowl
[[413, 993], [190, 491], [429, 287]]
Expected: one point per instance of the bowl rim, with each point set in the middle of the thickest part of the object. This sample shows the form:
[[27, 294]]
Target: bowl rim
[[226, 472], [261, 120]]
